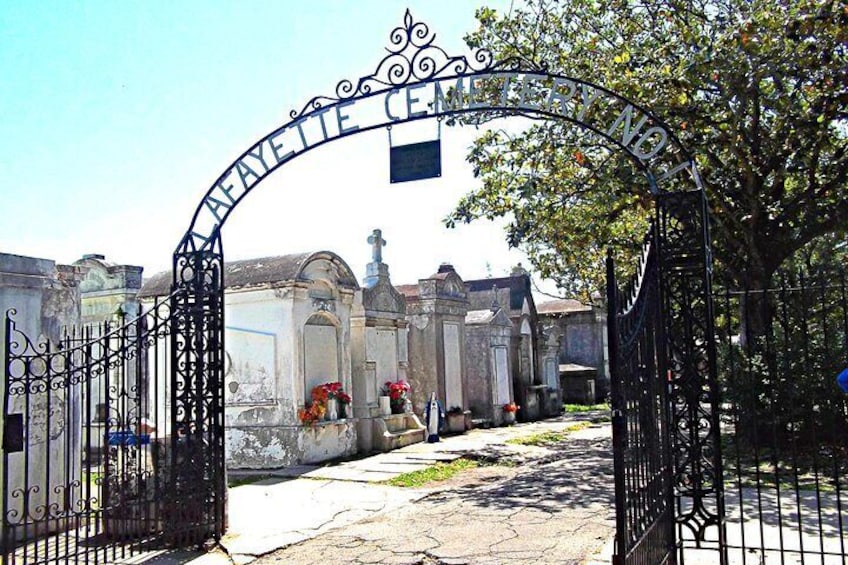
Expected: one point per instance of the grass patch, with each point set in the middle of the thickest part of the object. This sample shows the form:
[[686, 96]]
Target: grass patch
[[434, 473], [578, 408], [814, 467], [550, 437]]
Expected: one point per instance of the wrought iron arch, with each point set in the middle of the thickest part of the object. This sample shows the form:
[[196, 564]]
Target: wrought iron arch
[[419, 80]]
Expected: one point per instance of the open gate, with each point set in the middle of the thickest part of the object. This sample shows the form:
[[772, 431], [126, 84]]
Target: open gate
[[644, 499], [665, 396]]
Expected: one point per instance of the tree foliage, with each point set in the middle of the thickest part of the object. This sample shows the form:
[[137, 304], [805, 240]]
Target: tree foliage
[[756, 89]]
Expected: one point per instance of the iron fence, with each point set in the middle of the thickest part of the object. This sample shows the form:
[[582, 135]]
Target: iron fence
[[784, 419]]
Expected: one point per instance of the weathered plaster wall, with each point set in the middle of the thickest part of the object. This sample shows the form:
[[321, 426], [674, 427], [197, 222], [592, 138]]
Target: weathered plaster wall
[[269, 302], [268, 447], [426, 358], [549, 346]]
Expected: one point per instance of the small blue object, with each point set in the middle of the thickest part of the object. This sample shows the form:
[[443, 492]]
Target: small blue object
[[127, 437], [842, 380]]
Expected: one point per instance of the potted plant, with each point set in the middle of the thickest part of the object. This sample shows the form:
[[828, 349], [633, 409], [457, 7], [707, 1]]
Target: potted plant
[[509, 410], [398, 393]]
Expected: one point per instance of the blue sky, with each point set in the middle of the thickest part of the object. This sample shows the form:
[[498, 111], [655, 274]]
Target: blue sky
[[118, 116]]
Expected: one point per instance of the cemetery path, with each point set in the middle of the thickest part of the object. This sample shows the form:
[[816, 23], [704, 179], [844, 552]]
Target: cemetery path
[[555, 506]]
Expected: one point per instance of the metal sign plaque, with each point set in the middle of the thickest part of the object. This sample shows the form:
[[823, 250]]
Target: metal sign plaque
[[415, 161]]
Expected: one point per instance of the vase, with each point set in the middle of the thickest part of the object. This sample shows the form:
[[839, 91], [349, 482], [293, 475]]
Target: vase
[[342, 411], [509, 418], [397, 407], [332, 410], [385, 405]]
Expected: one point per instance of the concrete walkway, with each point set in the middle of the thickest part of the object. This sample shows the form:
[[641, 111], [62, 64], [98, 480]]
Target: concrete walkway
[[545, 505]]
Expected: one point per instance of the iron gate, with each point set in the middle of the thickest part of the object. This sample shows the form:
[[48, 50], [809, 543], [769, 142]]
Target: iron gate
[[88, 451], [669, 470], [644, 500], [729, 428]]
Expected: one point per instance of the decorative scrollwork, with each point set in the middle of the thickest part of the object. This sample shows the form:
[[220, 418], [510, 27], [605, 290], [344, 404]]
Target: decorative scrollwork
[[413, 56]]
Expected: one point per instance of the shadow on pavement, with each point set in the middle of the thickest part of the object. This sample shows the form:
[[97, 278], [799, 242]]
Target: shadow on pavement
[[577, 474]]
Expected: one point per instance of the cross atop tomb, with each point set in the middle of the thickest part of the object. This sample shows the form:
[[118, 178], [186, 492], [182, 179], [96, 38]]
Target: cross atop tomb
[[377, 242]]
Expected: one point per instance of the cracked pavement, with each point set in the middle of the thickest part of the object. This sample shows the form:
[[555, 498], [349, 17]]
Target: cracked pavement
[[555, 507]]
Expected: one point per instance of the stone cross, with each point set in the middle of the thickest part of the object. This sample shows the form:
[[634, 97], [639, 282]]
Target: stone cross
[[495, 306], [377, 242]]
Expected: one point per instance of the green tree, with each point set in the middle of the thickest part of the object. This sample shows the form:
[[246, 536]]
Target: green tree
[[756, 89]]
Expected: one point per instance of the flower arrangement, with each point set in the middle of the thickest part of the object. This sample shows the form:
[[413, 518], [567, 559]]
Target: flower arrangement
[[343, 397], [316, 409], [398, 392], [333, 390], [511, 407], [312, 413]]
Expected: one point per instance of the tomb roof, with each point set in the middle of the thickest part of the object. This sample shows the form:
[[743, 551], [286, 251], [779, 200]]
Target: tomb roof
[[518, 285], [102, 275], [264, 271], [575, 369], [562, 306], [484, 317], [408, 290], [479, 317]]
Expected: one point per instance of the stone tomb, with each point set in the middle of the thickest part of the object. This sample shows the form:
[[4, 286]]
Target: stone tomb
[[435, 309], [489, 381], [108, 290], [287, 330], [514, 293], [380, 354], [549, 344], [583, 345], [108, 293]]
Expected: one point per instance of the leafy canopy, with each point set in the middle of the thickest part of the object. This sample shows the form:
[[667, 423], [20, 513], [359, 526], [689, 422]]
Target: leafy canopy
[[756, 89]]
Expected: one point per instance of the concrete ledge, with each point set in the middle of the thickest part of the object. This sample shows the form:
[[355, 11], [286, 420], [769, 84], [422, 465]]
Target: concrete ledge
[[397, 430]]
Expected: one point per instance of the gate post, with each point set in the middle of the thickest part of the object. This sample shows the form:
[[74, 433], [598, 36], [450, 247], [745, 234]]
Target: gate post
[[197, 477], [686, 273], [618, 420]]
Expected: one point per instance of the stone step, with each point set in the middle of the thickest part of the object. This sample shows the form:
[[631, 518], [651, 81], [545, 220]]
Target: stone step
[[481, 423], [397, 430]]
